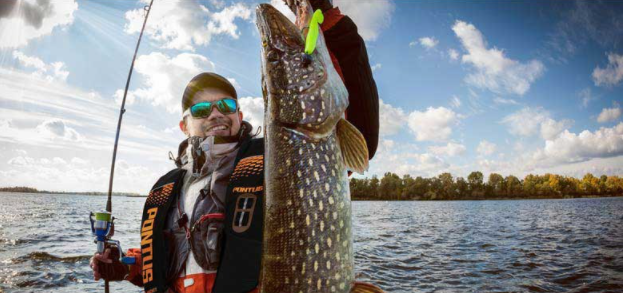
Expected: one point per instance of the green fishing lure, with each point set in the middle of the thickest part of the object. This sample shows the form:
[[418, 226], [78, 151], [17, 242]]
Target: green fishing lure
[[312, 34]]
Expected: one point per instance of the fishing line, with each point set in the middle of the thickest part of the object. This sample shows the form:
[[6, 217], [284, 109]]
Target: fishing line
[[121, 112]]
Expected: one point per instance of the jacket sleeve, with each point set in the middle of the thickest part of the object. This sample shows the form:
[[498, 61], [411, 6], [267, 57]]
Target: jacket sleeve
[[134, 274], [347, 46]]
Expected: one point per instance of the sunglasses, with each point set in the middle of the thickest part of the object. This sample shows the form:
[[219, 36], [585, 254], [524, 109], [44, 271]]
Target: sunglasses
[[202, 110]]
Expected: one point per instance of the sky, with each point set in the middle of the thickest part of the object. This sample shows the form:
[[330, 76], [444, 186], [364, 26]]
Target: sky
[[511, 87]]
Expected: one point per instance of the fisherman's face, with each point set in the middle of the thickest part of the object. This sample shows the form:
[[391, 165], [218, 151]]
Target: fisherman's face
[[217, 124]]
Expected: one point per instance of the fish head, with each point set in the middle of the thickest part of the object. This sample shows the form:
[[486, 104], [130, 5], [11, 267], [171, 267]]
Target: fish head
[[300, 91]]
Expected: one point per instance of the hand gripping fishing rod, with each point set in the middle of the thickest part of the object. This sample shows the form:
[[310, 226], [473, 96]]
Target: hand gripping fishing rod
[[102, 225]]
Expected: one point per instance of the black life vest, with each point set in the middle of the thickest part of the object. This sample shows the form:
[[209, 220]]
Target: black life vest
[[240, 263], [154, 248], [239, 269]]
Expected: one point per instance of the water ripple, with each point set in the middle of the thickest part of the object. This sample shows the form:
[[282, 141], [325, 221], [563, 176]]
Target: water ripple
[[463, 246]]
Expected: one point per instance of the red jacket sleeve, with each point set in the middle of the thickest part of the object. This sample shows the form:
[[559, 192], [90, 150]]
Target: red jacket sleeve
[[135, 276], [349, 50]]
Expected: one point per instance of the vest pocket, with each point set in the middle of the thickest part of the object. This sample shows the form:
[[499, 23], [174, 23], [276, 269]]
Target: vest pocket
[[211, 226]]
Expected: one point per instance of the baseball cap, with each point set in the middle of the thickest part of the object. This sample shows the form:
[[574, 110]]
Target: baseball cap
[[203, 81]]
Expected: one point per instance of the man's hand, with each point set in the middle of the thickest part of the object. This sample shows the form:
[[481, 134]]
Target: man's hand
[[323, 5], [107, 266]]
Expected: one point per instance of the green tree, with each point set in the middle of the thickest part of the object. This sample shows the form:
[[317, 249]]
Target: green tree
[[374, 188], [461, 187], [495, 185], [408, 184], [391, 186], [476, 186], [589, 184], [420, 187], [529, 185], [512, 186], [447, 189]]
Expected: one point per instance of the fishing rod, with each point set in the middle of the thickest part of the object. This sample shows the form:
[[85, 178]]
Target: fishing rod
[[102, 226]]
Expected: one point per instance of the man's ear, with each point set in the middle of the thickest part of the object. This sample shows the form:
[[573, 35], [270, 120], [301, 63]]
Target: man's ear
[[240, 116], [183, 126]]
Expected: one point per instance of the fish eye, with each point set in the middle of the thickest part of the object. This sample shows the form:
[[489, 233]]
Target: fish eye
[[272, 56]]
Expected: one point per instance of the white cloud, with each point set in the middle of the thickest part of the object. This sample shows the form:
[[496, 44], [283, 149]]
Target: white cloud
[[223, 21], [79, 161], [454, 55], [181, 25], [391, 119], [283, 8], [402, 159], [503, 101], [23, 21], [56, 128], [5, 124], [253, 111], [609, 114], [56, 174], [569, 147], [371, 16], [171, 130], [435, 124], [586, 96], [612, 74], [486, 148], [88, 121], [530, 121], [51, 72], [428, 42], [551, 128], [492, 69], [376, 67], [234, 82], [166, 78], [455, 102], [451, 149]]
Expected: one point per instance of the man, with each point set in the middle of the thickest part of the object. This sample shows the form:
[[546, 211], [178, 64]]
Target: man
[[202, 227]]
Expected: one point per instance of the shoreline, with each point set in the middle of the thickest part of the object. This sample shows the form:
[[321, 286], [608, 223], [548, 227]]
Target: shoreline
[[358, 199], [75, 193]]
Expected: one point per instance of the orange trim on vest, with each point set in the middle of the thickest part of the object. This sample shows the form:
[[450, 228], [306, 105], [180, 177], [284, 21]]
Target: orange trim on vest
[[201, 283]]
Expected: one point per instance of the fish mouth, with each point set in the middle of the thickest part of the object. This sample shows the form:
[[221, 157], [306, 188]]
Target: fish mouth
[[276, 30]]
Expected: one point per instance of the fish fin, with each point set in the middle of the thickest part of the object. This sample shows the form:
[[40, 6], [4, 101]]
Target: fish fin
[[362, 287], [353, 146]]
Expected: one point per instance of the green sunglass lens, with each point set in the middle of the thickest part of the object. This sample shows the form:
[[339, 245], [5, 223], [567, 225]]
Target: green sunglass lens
[[201, 109], [227, 106]]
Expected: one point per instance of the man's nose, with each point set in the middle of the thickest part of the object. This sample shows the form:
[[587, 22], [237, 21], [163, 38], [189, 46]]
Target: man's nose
[[215, 114]]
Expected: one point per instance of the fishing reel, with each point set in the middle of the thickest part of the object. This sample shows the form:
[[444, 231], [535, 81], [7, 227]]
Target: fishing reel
[[103, 228]]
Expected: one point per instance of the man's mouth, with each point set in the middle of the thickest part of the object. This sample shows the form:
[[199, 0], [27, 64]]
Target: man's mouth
[[217, 127]]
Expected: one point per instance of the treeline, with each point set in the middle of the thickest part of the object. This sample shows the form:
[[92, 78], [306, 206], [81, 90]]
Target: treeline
[[19, 189], [446, 187]]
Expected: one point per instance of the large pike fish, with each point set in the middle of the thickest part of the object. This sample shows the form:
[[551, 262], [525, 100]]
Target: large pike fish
[[308, 242]]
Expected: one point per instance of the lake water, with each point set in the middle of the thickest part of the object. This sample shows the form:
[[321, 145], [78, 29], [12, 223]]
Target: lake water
[[571, 245]]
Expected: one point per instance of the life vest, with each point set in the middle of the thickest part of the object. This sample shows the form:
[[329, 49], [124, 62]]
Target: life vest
[[154, 248], [240, 261], [239, 269]]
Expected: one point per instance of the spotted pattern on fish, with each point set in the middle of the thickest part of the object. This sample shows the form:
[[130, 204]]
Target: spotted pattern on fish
[[326, 201], [307, 241]]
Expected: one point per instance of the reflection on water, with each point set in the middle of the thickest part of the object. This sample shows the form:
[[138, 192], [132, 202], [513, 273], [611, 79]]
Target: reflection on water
[[477, 246]]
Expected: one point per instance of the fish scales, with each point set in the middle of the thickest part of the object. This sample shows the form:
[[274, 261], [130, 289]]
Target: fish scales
[[308, 246], [307, 242]]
